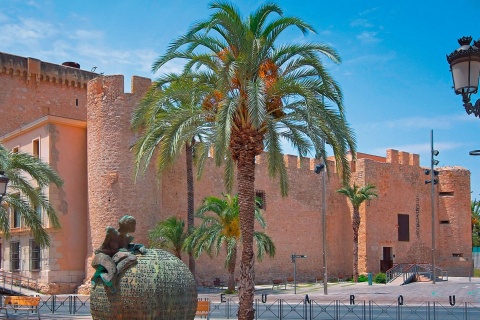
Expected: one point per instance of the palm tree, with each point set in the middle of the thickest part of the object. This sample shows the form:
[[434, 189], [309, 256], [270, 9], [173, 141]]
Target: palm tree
[[357, 196], [170, 117], [169, 234], [223, 230], [475, 209], [266, 93], [28, 177]]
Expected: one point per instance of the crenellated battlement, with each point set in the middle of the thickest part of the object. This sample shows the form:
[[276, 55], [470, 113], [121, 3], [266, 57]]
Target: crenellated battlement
[[36, 70], [401, 157]]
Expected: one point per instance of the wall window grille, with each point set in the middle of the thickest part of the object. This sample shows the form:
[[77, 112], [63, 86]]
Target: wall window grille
[[14, 255], [403, 227], [35, 255], [260, 195]]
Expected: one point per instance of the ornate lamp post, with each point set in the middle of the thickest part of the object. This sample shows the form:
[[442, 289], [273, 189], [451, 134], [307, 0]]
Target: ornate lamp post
[[3, 184], [465, 67]]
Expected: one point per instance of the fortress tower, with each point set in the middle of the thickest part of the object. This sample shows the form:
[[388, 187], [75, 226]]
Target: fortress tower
[[112, 189]]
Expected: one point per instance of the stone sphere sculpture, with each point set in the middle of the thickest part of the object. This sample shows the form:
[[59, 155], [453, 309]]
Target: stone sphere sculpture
[[158, 286]]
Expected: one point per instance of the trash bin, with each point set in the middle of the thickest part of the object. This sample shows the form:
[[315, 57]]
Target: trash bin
[[370, 276]]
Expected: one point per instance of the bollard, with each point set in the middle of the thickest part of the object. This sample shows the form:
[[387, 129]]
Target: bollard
[[370, 278]]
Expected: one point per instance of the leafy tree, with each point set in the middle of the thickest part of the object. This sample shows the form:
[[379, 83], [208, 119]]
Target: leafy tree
[[475, 209], [265, 93], [169, 234], [223, 230], [357, 196], [29, 176], [171, 119]]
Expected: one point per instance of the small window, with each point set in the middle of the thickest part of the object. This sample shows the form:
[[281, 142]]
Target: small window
[[35, 255], [457, 255], [76, 102], [403, 227], [444, 221], [38, 210], [446, 194], [14, 255], [36, 148], [260, 199], [15, 217]]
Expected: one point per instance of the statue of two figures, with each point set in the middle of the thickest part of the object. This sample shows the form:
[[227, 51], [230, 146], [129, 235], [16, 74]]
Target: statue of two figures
[[117, 253]]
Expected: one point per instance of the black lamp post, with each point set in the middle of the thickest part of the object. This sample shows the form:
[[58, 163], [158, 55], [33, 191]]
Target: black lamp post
[[3, 184], [320, 168], [465, 67]]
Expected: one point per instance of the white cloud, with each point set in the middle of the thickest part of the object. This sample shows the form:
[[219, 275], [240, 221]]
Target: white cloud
[[361, 23], [87, 35], [369, 37], [3, 17], [28, 32], [372, 58]]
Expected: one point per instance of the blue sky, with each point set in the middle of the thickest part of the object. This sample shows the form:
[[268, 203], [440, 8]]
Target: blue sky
[[394, 74]]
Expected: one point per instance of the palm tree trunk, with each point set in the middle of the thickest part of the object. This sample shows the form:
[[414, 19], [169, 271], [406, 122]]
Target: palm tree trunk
[[231, 270], [355, 226], [246, 199], [190, 200]]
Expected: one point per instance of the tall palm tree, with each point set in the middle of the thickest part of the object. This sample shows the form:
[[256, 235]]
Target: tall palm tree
[[28, 177], [357, 196], [475, 210], [223, 230], [266, 93], [169, 234], [170, 117]]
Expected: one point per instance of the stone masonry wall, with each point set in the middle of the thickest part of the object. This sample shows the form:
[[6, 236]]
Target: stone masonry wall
[[112, 189], [32, 88]]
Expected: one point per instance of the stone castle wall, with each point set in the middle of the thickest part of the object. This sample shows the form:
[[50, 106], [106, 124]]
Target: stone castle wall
[[32, 88], [293, 222]]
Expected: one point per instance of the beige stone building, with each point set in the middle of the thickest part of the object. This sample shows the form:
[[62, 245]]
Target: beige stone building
[[78, 122]]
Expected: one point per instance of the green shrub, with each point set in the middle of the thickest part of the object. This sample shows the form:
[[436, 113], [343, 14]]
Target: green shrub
[[380, 278], [476, 273], [362, 278]]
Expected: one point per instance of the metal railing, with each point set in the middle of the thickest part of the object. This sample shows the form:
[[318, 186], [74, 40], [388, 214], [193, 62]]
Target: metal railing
[[13, 283], [410, 271], [360, 310], [61, 304]]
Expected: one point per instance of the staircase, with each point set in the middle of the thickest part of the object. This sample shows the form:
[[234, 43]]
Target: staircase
[[404, 273]]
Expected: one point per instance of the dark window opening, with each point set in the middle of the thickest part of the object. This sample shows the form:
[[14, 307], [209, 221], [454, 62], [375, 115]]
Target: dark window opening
[[16, 218], [403, 227], [36, 148], [260, 199], [14, 255], [446, 194], [76, 102], [457, 255], [34, 255], [444, 222]]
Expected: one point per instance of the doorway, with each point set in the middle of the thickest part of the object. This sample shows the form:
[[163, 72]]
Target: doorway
[[387, 261]]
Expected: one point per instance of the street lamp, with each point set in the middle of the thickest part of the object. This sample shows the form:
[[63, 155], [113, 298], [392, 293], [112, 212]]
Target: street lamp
[[3, 184], [320, 168], [465, 67], [433, 181]]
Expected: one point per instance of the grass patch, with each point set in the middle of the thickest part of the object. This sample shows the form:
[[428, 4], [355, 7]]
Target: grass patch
[[476, 273]]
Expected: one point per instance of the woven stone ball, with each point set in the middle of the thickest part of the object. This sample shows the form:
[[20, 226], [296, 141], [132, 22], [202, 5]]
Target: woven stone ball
[[159, 286]]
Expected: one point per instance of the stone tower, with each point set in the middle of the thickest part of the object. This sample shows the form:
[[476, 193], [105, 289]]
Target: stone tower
[[112, 189]]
